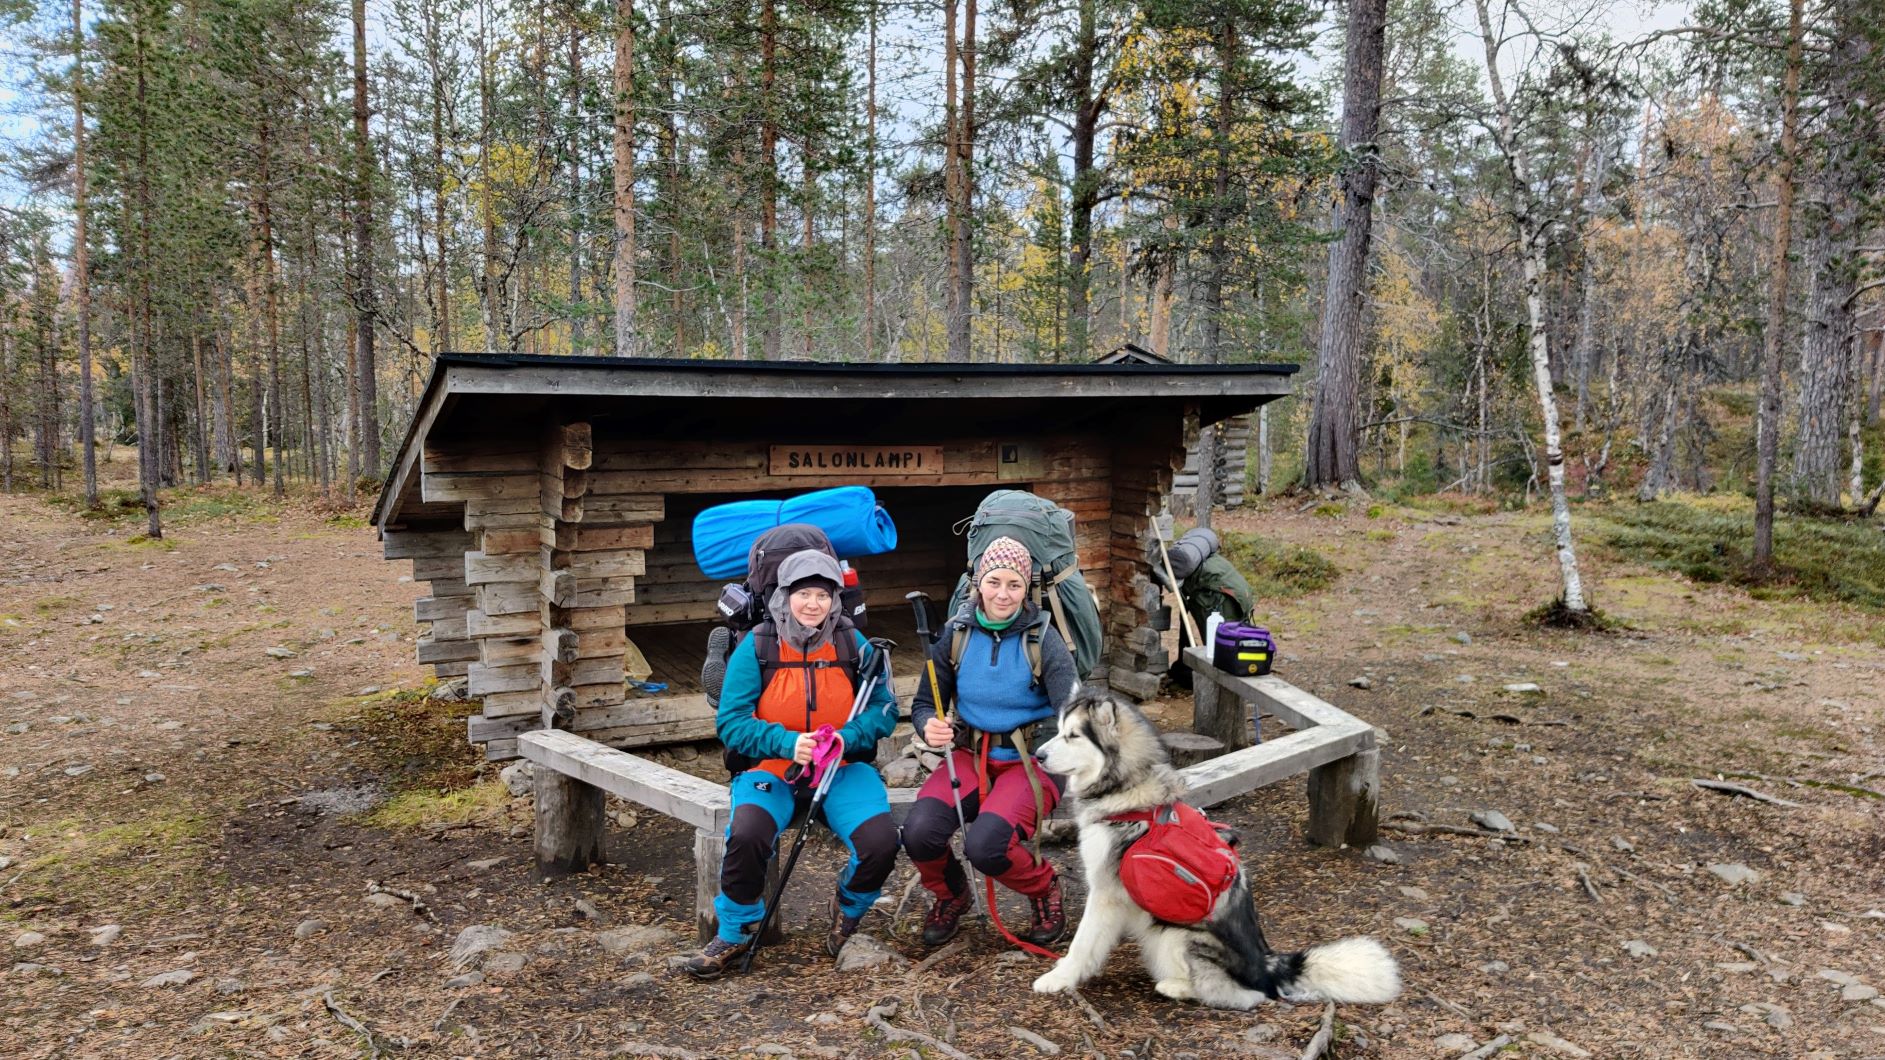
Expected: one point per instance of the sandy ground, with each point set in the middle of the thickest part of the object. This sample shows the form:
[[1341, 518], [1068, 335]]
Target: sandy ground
[[229, 811]]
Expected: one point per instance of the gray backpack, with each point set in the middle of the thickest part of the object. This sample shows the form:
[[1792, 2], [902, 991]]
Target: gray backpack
[[1058, 587]]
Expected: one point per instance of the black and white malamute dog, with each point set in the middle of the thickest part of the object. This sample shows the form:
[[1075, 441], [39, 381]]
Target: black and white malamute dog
[[1114, 764]]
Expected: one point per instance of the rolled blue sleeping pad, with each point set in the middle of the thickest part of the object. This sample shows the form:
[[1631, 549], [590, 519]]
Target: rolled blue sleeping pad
[[849, 515]]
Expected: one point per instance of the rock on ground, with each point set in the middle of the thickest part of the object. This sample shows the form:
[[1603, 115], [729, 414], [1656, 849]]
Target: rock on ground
[[637, 938], [1735, 874], [517, 779], [864, 952], [1556, 1044], [473, 942], [1493, 820]]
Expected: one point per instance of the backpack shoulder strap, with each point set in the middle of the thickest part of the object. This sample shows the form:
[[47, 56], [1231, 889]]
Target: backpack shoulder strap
[[1031, 647], [958, 643], [766, 650], [844, 642]]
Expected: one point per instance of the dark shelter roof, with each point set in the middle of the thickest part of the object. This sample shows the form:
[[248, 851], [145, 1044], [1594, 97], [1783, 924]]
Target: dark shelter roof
[[472, 395]]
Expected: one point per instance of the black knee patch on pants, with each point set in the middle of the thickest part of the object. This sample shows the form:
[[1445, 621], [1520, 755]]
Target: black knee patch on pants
[[986, 845], [750, 844], [927, 829], [876, 843]]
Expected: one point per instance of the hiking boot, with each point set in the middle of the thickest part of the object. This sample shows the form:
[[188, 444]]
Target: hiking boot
[[945, 917], [1050, 920], [842, 928], [713, 962]]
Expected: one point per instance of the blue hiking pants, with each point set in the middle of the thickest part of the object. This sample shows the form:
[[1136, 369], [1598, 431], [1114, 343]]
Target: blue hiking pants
[[857, 809]]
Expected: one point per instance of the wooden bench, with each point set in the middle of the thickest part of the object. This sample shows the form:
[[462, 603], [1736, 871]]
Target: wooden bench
[[1339, 753]]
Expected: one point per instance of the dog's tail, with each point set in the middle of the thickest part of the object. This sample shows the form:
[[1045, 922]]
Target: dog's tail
[[1351, 971]]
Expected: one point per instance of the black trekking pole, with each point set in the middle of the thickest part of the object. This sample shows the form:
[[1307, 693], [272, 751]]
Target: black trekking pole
[[868, 676], [920, 602]]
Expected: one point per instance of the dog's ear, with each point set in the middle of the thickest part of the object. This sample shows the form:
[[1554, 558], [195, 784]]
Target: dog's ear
[[1102, 712]]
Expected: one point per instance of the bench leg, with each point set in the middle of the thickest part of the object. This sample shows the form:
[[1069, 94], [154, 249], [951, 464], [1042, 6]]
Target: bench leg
[[569, 823], [710, 849], [1343, 797], [1220, 714]]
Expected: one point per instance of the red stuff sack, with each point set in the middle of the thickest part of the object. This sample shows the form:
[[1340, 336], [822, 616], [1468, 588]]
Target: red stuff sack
[[1179, 869]]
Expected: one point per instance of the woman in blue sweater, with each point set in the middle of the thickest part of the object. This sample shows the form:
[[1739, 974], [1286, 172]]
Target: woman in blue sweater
[[1002, 711]]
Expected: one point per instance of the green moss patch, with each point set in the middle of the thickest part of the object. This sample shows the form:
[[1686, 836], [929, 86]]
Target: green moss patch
[[1820, 559], [1277, 571]]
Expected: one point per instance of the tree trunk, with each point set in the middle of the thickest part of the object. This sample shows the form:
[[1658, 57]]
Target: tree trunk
[[870, 194], [959, 339], [808, 175], [1164, 295], [1085, 191], [45, 300], [6, 411], [627, 331], [142, 347], [488, 294], [573, 146], [1531, 235], [1767, 425], [1658, 479], [1828, 360], [736, 324], [1217, 248], [364, 299], [81, 258], [1825, 362], [270, 300], [771, 320], [200, 436], [671, 151], [1878, 375], [442, 324], [1332, 457], [955, 311]]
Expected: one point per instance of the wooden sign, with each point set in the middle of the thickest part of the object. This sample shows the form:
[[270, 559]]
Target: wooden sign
[[842, 460]]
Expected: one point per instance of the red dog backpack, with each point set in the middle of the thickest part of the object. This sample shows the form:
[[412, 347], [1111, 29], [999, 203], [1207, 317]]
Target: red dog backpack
[[1181, 866]]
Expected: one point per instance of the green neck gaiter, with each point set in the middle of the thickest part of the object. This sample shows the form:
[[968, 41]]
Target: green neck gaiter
[[987, 623]]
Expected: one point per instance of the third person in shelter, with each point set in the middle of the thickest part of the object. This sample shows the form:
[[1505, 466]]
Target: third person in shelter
[[1008, 672]]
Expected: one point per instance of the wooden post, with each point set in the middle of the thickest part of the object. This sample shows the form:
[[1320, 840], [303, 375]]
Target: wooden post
[[569, 823], [710, 849], [1343, 797], [1219, 713]]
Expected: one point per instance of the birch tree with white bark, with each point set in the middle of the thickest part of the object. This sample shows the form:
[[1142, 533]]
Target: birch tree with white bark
[[1515, 50]]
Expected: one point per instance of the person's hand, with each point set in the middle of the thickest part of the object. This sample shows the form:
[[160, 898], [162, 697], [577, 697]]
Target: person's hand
[[802, 750], [938, 733]]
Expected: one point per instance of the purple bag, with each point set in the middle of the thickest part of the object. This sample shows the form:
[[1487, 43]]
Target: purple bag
[[1243, 651]]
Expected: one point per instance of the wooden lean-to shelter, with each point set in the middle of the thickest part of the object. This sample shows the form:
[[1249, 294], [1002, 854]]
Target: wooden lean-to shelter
[[548, 503]]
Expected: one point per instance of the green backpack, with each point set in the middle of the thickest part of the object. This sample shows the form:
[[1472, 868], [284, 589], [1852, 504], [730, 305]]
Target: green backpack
[[1047, 530], [1217, 586]]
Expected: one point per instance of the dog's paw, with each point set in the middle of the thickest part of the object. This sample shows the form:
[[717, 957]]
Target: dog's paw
[[1176, 989], [1057, 981]]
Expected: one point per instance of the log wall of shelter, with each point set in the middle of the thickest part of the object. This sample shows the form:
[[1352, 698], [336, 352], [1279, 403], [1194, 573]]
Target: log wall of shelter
[[569, 541], [1073, 470], [1143, 459], [1235, 436]]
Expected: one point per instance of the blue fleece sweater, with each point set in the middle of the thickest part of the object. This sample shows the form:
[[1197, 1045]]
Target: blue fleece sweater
[[995, 688], [748, 735]]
